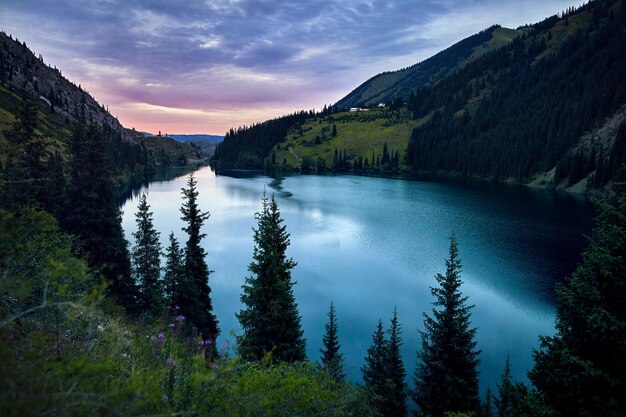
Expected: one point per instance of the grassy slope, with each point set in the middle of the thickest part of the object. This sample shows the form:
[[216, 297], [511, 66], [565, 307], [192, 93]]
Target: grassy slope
[[362, 137], [499, 38], [359, 137], [358, 134], [177, 151], [560, 31], [380, 87], [50, 124]]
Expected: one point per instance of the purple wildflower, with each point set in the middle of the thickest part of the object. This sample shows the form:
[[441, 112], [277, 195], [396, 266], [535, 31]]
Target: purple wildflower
[[169, 361], [201, 342], [165, 397], [207, 342], [215, 367], [176, 308], [161, 337], [180, 318], [171, 325], [153, 339]]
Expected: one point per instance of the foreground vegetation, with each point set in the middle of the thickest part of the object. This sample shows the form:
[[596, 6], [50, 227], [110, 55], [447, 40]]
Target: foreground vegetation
[[92, 327]]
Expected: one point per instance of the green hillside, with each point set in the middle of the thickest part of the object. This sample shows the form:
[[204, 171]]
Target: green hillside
[[167, 151], [357, 134], [388, 86]]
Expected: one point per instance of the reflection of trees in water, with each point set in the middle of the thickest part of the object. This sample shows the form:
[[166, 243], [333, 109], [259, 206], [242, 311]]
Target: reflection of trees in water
[[136, 183]]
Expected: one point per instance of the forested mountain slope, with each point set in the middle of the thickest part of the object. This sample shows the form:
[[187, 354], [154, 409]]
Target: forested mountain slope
[[548, 107], [59, 106], [388, 86], [543, 105]]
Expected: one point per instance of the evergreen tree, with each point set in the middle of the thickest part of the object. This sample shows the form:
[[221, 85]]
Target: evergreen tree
[[27, 174], [270, 319], [580, 371], [487, 405], [334, 132], [194, 292], [374, 370], [504, 400], [332, 359], [95, 218], [174, 271], [385, 158], [446, 379], [146, 261], [395, 404]]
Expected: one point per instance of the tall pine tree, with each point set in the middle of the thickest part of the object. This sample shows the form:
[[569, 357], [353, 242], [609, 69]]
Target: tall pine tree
[[95, 218], [194, 293], [332, 359], [395, 404], [446, 378], [504, 400], [581, 371], [374, 370], [270, 319], [174, 270], [146, 261]]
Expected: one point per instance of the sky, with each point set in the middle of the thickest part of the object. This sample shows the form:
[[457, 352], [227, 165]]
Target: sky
[[183, 66]]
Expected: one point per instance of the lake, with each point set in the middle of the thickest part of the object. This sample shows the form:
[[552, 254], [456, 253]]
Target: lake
[[372, 244]]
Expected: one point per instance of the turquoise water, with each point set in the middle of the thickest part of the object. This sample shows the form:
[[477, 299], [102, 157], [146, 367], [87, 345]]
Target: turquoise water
[[370, 244]]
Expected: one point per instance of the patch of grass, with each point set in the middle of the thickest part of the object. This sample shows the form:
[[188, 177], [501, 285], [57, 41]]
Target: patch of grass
[[499, 38], [560, 32], [358, 134], [49, 124]]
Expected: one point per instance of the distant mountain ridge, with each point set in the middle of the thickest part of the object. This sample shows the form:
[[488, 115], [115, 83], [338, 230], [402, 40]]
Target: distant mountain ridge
[[187, 137], [388, 86], [206, 143]]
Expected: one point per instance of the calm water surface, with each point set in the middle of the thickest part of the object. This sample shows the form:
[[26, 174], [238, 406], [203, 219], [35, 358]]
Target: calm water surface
[[370, 244]]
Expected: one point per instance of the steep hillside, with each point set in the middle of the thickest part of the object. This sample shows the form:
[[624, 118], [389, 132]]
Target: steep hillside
[[536, 110], [61, 105], [21, 70], [541, 105], [388, 86]]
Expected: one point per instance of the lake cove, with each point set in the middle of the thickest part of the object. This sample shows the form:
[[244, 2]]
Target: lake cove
[[372, 244]]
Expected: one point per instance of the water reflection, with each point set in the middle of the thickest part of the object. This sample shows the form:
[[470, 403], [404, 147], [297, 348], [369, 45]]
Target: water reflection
[[370, 244]]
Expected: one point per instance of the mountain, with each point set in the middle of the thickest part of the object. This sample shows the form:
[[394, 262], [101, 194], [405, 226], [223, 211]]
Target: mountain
[[169, 151], [207, 143], [388, 86], [547, 109], [61, 105], [197, 138], [22, 71], [543, 105]]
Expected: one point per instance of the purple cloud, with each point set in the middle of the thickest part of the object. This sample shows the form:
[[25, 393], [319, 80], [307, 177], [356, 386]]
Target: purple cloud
[[224, 63]]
